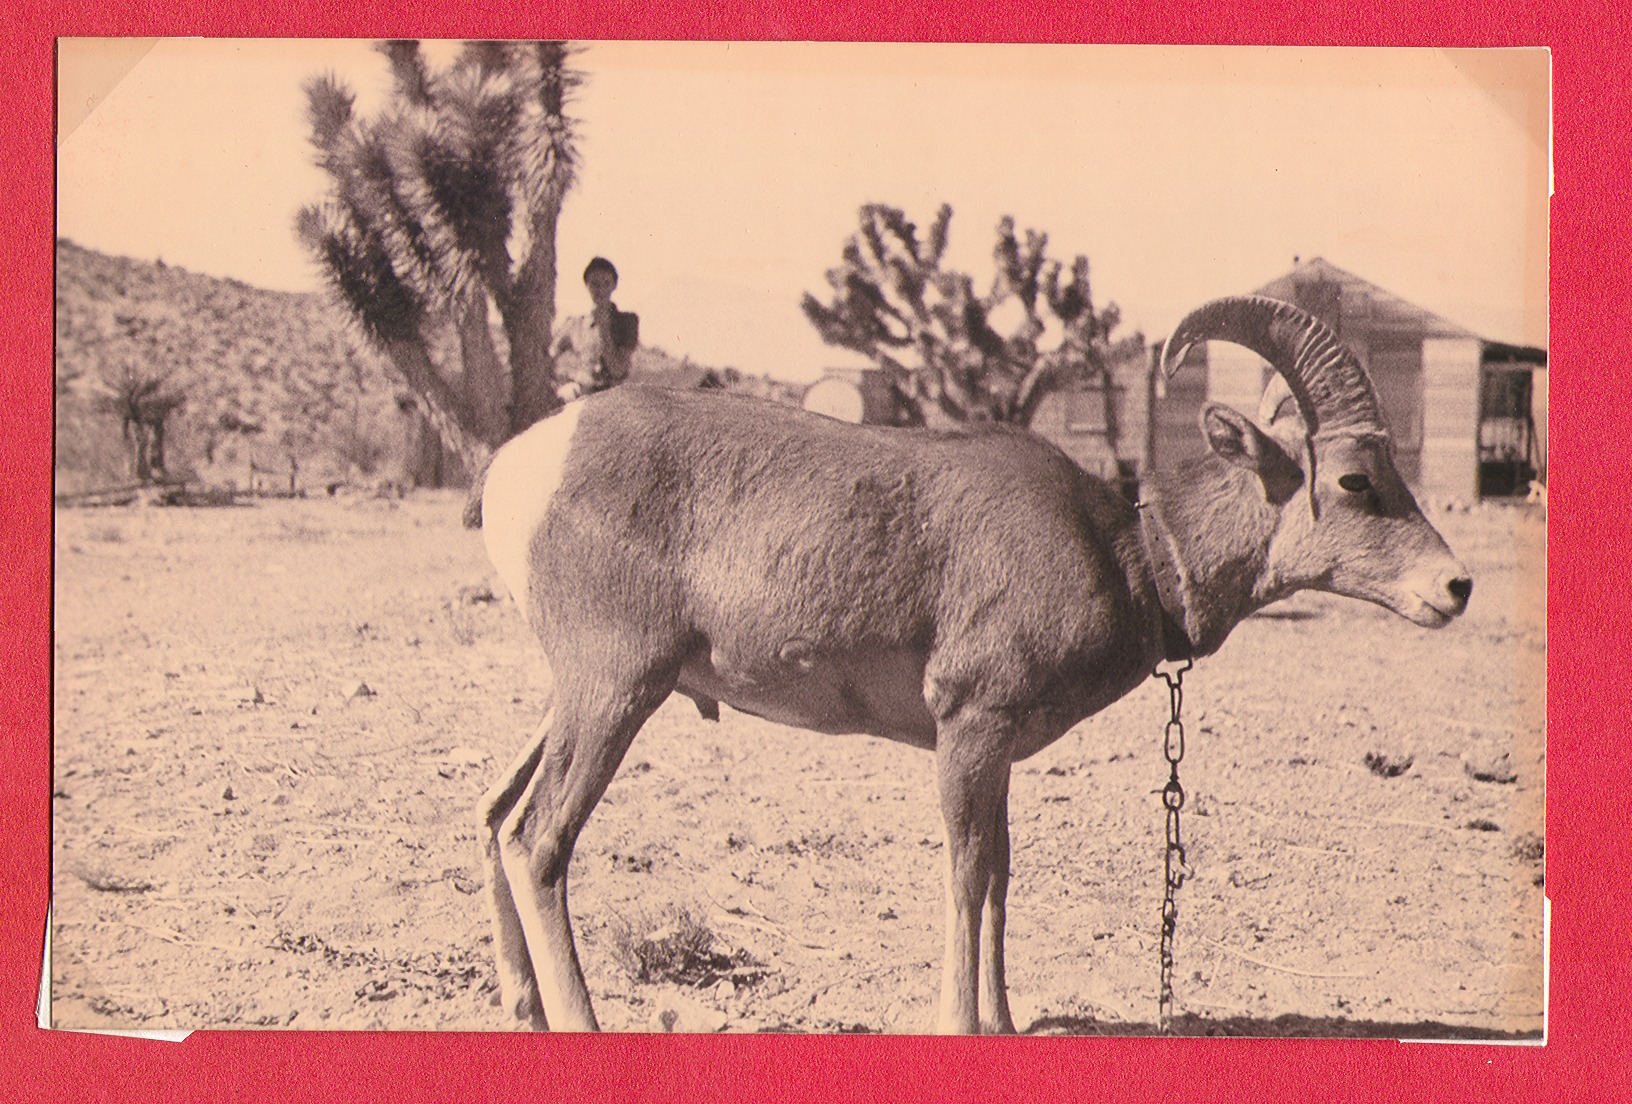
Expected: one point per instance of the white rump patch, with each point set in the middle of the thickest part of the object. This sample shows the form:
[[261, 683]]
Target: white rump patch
[[523, 478]]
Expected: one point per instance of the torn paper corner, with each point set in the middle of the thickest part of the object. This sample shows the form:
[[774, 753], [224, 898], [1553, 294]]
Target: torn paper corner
[[42, 1006]]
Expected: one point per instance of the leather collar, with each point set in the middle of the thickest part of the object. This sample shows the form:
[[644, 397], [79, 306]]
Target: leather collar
[[1177, 644]]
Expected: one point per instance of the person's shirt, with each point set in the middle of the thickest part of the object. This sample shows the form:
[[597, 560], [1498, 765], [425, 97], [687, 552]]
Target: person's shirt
[[589, 353]]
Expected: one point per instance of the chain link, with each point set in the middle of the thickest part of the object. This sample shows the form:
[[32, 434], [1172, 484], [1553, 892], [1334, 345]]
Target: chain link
[[1175, 867]]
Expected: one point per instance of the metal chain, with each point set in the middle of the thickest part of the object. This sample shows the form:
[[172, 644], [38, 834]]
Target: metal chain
[[1176, 869]]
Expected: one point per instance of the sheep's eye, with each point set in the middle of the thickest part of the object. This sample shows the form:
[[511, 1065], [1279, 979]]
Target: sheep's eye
[[1354, 482]]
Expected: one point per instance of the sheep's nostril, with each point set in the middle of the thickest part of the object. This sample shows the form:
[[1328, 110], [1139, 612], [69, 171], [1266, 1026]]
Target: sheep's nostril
[[1461, 588]]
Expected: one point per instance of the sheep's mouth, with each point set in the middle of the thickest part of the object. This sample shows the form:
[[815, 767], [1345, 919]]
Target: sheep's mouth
[[1430, 616], [1435, 618]]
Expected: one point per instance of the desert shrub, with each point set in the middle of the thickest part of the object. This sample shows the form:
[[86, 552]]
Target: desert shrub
[[1529, 847], [1387, 764], [675, 944]]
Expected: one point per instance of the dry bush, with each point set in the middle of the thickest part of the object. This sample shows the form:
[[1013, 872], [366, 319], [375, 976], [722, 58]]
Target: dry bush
[[1386, 764], [1529, 847], [675, 944]]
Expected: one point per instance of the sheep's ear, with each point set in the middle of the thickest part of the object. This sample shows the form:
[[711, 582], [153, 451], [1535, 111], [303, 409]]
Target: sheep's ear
[[1234, 438]]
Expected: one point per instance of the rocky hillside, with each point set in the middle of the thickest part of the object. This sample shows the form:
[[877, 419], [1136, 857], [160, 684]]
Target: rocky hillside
[[261, 378], [263, 383]]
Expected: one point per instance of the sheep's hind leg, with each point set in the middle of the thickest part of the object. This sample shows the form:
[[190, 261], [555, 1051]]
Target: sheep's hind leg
[[518, 988], [587, 736]]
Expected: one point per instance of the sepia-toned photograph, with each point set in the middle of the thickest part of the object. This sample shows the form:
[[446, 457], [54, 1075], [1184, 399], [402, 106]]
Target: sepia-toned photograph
[[1042, 540]]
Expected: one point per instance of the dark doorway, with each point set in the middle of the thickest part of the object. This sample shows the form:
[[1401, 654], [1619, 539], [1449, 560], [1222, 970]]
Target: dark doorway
[[1507, 430]]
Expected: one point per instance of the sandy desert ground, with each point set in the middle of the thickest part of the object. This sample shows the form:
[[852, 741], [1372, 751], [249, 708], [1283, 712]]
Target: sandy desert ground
[[273, 722]]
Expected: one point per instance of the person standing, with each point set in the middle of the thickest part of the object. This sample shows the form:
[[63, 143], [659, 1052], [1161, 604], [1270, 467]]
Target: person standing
[[593, 350]]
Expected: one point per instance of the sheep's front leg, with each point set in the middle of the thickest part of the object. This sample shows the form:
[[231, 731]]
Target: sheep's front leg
[[994, 994], [972, 764]]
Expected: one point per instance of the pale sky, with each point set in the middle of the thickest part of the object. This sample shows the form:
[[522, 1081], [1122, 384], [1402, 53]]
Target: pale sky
[[723, 179]]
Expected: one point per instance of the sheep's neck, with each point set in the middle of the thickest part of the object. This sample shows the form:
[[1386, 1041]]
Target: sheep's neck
[[1220, 524]]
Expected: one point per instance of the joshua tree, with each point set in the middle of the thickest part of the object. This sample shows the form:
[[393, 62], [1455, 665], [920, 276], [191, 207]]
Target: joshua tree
[[142, 401], [442, 214], [991, 357]]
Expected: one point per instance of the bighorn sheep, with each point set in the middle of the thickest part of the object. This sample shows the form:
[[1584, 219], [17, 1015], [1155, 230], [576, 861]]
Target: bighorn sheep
[[974, 594]]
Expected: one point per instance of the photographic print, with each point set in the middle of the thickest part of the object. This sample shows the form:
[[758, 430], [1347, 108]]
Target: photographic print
[[920, 538]]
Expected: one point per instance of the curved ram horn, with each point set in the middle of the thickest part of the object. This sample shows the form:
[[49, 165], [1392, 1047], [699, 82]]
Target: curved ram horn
[[1331, 387]]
